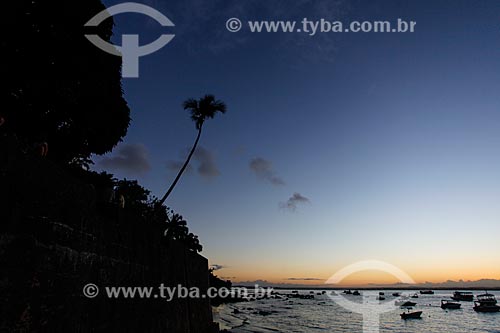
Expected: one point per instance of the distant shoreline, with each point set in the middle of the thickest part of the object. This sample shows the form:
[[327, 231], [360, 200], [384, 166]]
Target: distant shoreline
[[371, 288]]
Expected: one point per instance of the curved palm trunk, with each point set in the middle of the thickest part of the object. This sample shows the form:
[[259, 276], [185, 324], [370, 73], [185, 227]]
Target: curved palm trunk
[[181, 171]]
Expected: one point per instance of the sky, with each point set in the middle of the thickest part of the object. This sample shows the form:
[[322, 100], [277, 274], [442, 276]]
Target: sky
[[336, 148]]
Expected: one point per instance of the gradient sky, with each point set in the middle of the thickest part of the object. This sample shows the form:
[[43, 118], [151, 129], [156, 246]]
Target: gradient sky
[[393, 138]]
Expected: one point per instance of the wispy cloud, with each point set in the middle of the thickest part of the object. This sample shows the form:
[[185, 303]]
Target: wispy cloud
[[205, 160], [261, 283], [206, 163], [175, 166], [292, 202], [263, 169], [217, 267], [304, 279], [131, 158]]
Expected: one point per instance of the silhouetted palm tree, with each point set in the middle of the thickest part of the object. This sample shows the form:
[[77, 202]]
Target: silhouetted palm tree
[[201, 109], [176, 227]]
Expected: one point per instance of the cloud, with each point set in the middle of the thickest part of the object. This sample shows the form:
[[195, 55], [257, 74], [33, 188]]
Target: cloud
[[205, 159], [304, 279], [175, 166], [475, 285], [132, 158], [216, 267], [481, 284], [261, 283], [206, 167], [294, 201], [263, 169]]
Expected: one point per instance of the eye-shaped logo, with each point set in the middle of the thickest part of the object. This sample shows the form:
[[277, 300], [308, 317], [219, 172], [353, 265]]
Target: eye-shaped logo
[[371, 308], [130, 51]]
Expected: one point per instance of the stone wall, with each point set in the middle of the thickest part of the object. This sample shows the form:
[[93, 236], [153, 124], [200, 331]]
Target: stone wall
[[54, 239]]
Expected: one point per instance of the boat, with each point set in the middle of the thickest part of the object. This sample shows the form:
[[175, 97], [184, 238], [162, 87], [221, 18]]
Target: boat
[[415, 295], [408, 304], [300, 296], [396, 294], [487, 299], [404, 303], [486, 303], [381, 293], [356, 293], [478, 307], [380, 298], [347, 292], [466, 296], [411, 315], [445, 304], [426, 292]]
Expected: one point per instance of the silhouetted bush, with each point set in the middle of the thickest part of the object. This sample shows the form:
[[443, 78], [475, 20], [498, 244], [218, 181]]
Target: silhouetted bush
[[57, 87], [139, 202], [136, 197], [177, 229], [215, 282]]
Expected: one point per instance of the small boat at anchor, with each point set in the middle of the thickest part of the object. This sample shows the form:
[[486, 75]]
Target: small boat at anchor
[[415, 295], [404, 303], [396, 294], [426, 292], [411, 315], [486, 303], [449, 305], [466, 296], [356, 293], [408, 304]]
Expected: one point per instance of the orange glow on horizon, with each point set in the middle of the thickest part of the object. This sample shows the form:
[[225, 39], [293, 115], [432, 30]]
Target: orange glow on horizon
[[366, 278]]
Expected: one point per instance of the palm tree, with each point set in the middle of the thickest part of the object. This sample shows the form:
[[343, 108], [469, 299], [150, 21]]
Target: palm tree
[[201, 109]]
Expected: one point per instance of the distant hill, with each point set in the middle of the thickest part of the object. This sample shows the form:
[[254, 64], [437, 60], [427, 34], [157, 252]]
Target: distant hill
[[490, 284]]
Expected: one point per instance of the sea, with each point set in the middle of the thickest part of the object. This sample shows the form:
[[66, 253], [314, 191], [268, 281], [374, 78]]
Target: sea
[[324, 313]]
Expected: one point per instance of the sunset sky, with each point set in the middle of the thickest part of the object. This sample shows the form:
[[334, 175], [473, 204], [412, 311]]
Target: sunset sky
[[335, 148]]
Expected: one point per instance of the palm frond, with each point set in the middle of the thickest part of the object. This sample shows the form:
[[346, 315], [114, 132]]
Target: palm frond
[[219, 106], [203, 108], [190, 103]]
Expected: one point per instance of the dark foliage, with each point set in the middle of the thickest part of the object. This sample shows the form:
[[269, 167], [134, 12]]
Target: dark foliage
[[139, 202], [203, 109], [215, 282], [177, 229], [56, 86], [136, 196]]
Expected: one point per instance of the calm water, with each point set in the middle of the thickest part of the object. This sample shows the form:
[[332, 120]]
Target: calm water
[[322, 314]]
